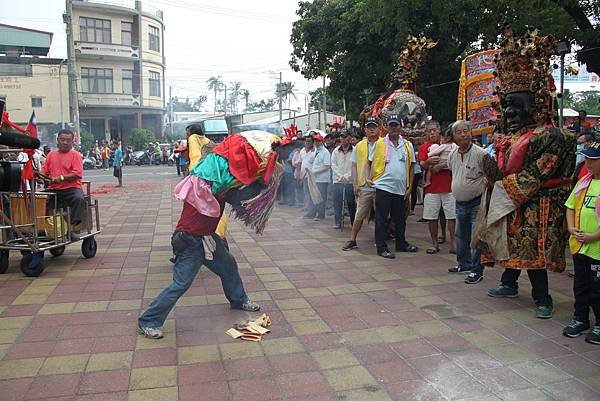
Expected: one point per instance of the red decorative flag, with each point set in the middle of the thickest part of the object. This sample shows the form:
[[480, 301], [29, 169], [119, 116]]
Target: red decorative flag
[[31, 130]]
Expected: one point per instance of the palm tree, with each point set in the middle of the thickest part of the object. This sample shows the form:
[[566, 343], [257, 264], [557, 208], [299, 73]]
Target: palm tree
[[235, 88], [245, 93], [288, 92], [214, 84]]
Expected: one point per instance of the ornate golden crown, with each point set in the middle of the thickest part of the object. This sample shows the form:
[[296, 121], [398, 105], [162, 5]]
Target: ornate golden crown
[[523, 65], [411, 58]]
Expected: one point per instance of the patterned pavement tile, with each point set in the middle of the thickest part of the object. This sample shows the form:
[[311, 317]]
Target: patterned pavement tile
[[346, 325]]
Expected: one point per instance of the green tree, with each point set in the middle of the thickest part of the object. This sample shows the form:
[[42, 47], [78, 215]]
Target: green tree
[[333, 105], [141, 137], [356, 42], [586, 100], [262, 105], [245, 93], [235, 88], [288, 92], [87, 140], [214, 83]]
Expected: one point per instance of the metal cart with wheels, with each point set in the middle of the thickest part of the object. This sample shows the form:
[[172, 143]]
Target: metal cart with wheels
[[32, 224]]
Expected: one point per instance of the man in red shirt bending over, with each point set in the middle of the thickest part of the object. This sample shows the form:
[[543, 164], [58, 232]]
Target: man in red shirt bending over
[[65, 169]]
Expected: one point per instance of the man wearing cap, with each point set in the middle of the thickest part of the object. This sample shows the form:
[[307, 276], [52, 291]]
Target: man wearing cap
[[364, 193], [320, 170], [584, 244], [390, 171]]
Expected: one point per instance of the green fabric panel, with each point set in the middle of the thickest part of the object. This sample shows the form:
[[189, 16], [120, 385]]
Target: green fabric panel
[[215, 169]]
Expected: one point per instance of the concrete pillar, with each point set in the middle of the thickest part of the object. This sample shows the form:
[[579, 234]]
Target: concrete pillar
[[107, 129], [138, 119]]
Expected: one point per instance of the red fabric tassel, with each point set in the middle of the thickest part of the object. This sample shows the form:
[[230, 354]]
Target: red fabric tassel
[[270, 167], [242, 158]]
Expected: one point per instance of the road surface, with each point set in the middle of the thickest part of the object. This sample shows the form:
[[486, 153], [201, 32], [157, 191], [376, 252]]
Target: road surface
[[130, 173]]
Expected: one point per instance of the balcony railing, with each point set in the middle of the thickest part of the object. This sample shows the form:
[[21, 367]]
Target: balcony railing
[[106, 50], [108, 99]]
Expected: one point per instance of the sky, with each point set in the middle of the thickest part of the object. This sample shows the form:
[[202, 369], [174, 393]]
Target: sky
[[239, 40]]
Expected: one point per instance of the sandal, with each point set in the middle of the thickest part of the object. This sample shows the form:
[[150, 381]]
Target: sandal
[[432, 250], [453, 251], [441, 240]]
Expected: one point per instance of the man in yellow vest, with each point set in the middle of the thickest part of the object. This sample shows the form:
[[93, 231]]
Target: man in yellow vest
[[390, 171], [365, 194]]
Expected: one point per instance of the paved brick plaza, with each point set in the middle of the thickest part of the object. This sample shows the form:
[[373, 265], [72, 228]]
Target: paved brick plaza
[[346, 325]]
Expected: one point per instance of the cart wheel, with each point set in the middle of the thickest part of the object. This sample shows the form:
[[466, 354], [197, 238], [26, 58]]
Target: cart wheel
[[57, 251], [3, 261], [89, 247], [31, 264]]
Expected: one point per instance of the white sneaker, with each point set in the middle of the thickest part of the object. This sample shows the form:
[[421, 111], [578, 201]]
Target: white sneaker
[[150, 332]]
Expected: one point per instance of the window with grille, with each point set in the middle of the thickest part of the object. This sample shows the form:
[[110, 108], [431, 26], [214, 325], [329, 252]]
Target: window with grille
[[94, 30], [127, 81], [126, 29], [153, 38], [96, 80], [154, 80], [36, 102]]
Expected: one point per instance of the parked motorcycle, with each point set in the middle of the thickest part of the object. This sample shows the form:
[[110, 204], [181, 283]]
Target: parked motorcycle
[[90, 162], [142, 157]]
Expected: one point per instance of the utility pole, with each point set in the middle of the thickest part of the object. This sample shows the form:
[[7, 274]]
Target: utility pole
[[307, 112], [344, 104], [324, 106], [72, 68], [280, 94], [225, 100], [60, 95], [171, 110]]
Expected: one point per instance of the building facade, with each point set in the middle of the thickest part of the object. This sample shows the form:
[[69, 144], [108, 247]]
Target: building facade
[[29, 81], [120, 61]]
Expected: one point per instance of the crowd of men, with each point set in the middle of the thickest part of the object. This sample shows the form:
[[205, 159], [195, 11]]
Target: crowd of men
[[381, 179]]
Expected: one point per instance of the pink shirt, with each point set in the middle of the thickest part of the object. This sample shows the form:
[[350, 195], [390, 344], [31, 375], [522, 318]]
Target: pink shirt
[[58, 164]]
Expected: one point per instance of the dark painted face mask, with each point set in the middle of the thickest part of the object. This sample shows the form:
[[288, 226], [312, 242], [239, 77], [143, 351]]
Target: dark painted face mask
[[516, 110]]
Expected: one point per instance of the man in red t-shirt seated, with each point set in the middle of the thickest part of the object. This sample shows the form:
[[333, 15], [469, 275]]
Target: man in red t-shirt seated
[[438, 194], [65, 169]]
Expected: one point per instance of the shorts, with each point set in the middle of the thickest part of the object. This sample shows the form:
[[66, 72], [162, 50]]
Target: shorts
[[365, 203], [434, 202]]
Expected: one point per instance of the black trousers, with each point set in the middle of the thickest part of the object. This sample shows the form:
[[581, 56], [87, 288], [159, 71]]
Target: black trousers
[[415, 187], [539, 284], [586, 287], [72, 198], [384, 203]]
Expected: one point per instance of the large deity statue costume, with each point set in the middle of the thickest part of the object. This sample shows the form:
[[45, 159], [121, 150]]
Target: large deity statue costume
[[524, 226]]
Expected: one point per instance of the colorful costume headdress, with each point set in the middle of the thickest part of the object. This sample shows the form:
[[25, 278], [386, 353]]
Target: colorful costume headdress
[[239, 160], [401, 98], [523, 65], [411, 58]]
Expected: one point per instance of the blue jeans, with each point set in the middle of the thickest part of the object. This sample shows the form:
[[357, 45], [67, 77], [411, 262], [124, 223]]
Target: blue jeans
[[341, 191], [187, 264], [466, 214]]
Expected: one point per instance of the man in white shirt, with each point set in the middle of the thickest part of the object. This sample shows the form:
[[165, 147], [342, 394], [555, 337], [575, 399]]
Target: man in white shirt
[[365, 194], [341, 166], [320, 171], [307, 156]]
